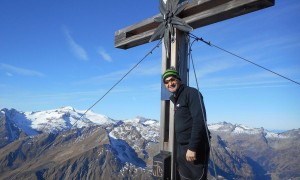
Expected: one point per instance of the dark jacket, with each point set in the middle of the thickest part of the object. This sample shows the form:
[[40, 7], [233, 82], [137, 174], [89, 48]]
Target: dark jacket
[[189, 117]]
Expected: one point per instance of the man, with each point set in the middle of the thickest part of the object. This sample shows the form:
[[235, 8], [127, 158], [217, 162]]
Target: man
[[190, 127]]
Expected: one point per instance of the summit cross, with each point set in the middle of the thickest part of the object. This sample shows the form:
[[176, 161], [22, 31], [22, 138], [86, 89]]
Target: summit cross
[[197, 13]]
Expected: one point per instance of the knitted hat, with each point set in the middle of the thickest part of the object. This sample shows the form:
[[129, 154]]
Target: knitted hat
[[170, 72]]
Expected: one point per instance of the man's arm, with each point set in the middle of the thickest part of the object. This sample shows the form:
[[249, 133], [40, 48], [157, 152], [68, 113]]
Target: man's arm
[[197, 110]]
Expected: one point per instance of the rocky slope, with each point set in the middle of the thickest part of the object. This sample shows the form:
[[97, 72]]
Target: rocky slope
[[63, 144]]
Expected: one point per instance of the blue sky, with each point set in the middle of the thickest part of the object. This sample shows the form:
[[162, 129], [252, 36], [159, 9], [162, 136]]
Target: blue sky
[[61, 53]]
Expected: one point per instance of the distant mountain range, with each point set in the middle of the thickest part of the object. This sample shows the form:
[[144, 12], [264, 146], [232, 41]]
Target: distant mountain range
[[64, 144]]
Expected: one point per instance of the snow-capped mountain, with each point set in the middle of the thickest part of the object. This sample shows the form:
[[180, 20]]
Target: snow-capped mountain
[[77, 146], [64, 118], [96, 146], [148, 128], [32, 123], [242, 129]]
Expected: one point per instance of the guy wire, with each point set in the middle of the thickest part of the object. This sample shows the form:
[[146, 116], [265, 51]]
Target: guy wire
[[150, 52], [202, 109], [51, 143], [210, 44]]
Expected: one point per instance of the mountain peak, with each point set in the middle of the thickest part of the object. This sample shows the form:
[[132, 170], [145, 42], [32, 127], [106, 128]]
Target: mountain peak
[[67, 108], [55, 120]]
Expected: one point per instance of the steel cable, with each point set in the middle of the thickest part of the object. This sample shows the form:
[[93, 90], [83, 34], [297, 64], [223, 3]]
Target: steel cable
[[240, 57]]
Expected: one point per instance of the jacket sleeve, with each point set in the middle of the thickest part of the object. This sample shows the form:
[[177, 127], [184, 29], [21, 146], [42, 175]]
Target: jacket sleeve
[[198, 113]]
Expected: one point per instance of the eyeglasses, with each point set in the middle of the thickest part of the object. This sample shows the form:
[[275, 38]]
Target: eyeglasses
[[170, 80]]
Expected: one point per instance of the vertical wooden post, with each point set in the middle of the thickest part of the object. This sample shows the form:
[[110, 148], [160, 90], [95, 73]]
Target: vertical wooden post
[[178, 59]]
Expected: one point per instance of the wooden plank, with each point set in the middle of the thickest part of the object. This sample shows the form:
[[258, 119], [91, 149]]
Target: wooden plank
[[197, 14]]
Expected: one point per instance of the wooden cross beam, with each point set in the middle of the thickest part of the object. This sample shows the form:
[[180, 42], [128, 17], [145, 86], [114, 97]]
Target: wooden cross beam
[[197, 14]]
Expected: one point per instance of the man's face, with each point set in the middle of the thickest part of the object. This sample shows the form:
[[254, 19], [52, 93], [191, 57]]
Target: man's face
[[172, 84]]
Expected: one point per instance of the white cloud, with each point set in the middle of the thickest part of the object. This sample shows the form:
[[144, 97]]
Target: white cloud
[[10, 70], [78, 51], [104, 55], [252, 80], [110, 77], [9, 74], [213, 67], [117, 75], [148, 71]]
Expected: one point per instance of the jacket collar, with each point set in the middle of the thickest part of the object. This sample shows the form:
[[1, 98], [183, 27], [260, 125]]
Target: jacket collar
[[179, 90]]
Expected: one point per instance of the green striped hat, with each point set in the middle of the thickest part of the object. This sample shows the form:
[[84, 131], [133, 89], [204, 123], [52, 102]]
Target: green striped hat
[[170, 72]]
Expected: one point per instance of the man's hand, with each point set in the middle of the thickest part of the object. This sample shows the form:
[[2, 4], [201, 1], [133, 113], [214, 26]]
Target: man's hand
[[190, 155]]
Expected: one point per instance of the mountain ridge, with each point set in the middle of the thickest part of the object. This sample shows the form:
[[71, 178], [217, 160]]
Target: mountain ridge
[[71, 118], [120, 149]]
